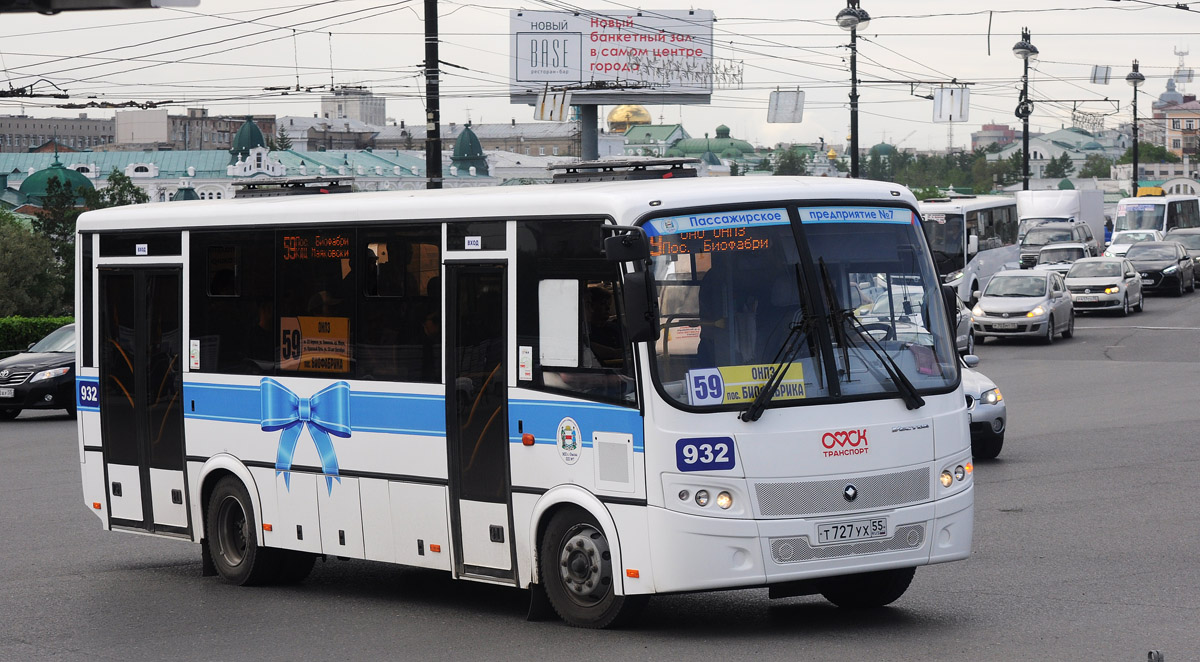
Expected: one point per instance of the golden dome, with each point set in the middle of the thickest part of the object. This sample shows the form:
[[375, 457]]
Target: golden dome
[[831, 154], [623, 117]]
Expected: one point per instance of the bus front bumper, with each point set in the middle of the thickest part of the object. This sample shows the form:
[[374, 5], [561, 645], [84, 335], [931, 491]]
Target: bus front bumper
[[698, 553]]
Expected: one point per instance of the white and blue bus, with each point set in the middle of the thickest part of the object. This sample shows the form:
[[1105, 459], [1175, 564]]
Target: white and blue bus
[[596, 391], [971, 238]]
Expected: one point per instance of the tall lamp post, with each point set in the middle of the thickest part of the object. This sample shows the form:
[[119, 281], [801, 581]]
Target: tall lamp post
[[1025, 50], [1135, 80], [851, 18]]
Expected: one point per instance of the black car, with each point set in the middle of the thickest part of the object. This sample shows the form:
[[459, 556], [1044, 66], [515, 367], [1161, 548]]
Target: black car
[[1164, 265], [42, 377], [1190, 238]]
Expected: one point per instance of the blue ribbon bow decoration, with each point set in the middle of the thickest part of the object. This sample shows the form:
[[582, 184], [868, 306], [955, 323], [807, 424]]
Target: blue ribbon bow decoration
[[326, 413]]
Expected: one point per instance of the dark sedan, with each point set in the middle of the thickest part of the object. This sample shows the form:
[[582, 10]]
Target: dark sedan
[[42, 377], [1164, 265], [1190, 238]]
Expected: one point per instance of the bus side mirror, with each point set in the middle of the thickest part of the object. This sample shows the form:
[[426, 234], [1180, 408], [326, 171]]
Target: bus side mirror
[[628, 247], [951, 301], [641, 307], [972, 244]]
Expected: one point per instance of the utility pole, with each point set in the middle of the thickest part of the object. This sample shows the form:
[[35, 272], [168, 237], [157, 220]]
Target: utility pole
[[433, 130]]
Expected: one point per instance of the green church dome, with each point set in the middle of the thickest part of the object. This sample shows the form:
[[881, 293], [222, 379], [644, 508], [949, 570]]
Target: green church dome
[[468, 153], [34, 186], [247, 138]]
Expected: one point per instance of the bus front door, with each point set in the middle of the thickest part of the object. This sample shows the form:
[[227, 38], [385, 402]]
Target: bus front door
[[477, 422], [141, 415]]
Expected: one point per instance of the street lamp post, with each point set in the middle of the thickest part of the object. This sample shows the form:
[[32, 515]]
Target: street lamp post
[[851, 18], [1135, 80], [1025, 50]]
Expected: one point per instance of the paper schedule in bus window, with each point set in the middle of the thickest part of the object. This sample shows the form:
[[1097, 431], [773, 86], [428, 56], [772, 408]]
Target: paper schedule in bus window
[[314, 344]]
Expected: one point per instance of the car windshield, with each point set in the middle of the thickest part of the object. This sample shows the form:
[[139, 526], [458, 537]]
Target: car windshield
[[1189, 241], [61, 339], [1132, 237], [1150, 252], [1059, 255], [1043, 236], [1135, 216], [1094, 269], [1016, 286], [739, 299]]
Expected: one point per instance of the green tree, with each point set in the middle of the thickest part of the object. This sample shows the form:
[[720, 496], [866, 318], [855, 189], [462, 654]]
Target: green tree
[[791, 162], [1149, 153], [120, 191], [280, 141], [1096, 165], [1059, 167], [56, 223], [32, 283], [734, 169]]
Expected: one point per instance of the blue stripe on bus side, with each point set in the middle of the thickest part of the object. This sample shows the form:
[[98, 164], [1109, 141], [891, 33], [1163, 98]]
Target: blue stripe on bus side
[[541, 419], [390, 413]]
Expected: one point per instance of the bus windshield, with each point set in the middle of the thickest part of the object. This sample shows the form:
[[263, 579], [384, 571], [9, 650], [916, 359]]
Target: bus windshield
[[740, 299], [944, 234], [1140, 216]]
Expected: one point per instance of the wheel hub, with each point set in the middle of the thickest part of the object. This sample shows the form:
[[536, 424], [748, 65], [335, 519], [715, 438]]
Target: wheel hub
[[584, 566]]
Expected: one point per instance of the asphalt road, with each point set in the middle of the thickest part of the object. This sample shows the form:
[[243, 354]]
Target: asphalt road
[[1086, 548]]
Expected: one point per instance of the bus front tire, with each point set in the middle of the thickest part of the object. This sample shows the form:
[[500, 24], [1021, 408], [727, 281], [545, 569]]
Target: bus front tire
[[576, 572], [232, 536], [868, 590]]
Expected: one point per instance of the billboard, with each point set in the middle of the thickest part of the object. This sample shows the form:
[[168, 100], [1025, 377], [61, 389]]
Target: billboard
[[612, 57]]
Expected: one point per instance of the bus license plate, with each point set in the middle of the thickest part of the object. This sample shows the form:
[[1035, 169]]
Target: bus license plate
[[1005, 326], [1087, 299], [8, 393], [863, 529]]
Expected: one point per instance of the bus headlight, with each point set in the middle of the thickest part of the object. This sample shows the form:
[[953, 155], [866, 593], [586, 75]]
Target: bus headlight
[[959, 472], [947, 478], [724, 500], [701, 498]]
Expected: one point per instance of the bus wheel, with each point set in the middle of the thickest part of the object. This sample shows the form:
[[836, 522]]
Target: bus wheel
[[576, 571], [232, 536], [869, 589]]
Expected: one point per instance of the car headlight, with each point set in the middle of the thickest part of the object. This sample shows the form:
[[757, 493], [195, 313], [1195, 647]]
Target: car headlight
[[991, 397], [1107, 253], [1036, 312], [1171, 269], [957, 275], [977, 311], [51, 373], [1112, 289]]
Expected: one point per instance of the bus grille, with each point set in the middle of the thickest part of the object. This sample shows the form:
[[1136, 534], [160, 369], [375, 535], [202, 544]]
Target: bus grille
[[795, 550], [826, 496]]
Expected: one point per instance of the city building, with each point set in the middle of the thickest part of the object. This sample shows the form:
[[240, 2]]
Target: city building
[[1181, 126], [156, 130], [356, 104], [19, 133], [999, 134]]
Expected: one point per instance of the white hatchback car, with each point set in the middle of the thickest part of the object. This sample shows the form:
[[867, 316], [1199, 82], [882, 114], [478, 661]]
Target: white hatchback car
[[989, 415]]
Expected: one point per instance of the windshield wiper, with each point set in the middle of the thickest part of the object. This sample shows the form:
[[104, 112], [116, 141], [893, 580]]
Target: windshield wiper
[[841, 319], [781, 364]]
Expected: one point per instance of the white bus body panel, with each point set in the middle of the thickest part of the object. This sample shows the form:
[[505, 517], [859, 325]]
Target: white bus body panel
[[478, 517], [166, 511], [128, 506], [298, 523], [93, 485], [420, 516], [341, 518]]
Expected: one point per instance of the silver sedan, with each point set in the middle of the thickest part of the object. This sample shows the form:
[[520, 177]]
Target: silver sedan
[[1105, 283], [1024, 303]]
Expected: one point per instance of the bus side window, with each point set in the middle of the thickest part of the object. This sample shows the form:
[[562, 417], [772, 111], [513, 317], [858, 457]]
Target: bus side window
[[567, 290], [317, 271], [399, 335], [232, 302]]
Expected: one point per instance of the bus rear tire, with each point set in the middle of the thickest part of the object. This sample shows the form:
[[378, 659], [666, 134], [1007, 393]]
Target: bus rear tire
[[232, 534], [576, 572], [868, 590]]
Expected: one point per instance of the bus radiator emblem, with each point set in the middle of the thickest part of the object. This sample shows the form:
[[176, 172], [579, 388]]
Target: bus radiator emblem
[[851, 493]]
